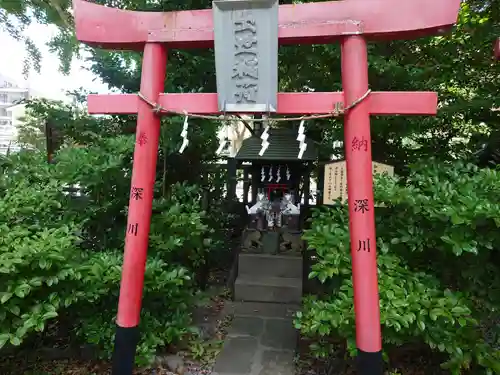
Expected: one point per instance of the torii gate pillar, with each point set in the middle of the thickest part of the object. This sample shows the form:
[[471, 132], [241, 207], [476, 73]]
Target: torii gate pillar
[[153, 73], [358, 156], [353, 23]]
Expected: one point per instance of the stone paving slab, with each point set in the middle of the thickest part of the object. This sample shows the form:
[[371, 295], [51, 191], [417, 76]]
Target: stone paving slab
[[261, 341], [246, 326], [277, 363], [237, 356], [270, 265], [262, 309], [279, 334], [268, 289]]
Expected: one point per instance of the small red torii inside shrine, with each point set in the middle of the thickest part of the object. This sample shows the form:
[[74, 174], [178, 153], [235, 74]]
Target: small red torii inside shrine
[[352, 23]]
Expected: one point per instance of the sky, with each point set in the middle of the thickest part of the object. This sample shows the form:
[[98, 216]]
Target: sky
[[49, 82]]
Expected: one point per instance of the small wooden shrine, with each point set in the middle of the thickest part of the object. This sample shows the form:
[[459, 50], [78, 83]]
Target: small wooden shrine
[[279, 182]]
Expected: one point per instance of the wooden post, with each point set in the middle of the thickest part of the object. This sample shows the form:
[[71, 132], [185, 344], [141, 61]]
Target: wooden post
[[232, 170], [246, 184], [255, 184], [307, 186], [320, 183]]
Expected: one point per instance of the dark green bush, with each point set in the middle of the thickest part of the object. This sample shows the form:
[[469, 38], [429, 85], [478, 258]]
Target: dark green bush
[[438, 279], [54, 259]]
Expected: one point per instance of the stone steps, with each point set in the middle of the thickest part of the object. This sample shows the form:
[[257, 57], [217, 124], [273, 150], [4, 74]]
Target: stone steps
[[268, 289], [260, 341], [270, 265], [262, 309]]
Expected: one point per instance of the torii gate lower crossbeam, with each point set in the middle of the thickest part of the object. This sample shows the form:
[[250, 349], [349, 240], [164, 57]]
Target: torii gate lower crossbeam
[[303, 103], [352, 22]]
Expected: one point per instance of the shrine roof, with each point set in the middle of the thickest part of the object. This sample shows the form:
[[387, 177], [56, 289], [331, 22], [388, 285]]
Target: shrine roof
[[283, 146]]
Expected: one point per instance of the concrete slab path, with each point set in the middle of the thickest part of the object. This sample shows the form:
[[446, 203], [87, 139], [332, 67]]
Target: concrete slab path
[[261, 340]]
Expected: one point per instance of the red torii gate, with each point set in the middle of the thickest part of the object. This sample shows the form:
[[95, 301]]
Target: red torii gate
[[353, 23]]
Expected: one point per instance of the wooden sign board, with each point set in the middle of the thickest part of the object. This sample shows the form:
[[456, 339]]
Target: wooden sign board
[[335, 185]]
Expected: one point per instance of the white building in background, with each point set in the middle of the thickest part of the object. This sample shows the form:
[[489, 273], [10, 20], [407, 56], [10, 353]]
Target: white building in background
[[11, 112], [10, 94]]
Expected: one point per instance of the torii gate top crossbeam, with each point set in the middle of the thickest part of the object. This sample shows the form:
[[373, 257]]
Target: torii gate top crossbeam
[[309, 23]]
